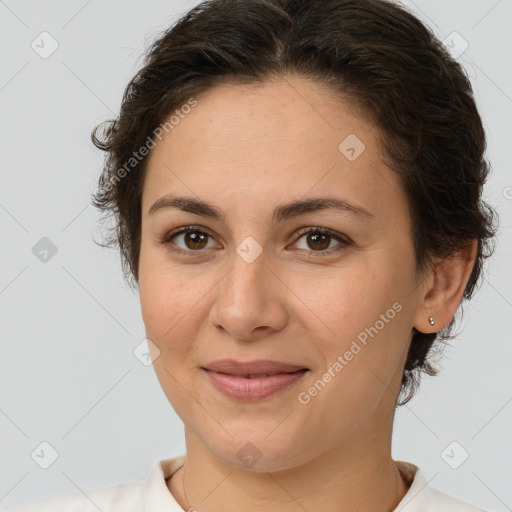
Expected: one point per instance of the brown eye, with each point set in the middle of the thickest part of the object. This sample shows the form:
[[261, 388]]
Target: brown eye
[[195, 239], [188, 239], [320, 239]]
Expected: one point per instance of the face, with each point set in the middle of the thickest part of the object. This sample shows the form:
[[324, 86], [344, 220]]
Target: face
[[249, 284]]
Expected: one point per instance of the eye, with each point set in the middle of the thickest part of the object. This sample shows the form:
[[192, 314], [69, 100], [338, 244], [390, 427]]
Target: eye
[[195, 239], [317, 240]]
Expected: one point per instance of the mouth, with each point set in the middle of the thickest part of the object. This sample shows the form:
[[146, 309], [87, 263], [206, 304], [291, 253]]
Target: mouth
[[251, 387], [259, 375], [253, 369]]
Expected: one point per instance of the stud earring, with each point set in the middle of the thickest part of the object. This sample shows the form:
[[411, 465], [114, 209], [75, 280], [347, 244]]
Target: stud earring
[[431, 320]]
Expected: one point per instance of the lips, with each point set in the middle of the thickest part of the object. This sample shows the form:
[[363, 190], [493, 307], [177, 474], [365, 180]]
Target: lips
[[253, 388], [259, 376], [252, 369]]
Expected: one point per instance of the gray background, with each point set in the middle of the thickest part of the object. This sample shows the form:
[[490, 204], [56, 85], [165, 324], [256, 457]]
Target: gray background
[[68, 375]]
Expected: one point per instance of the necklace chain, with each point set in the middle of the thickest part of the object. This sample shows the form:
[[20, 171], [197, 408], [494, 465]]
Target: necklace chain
[[183, 487], [192, 509]]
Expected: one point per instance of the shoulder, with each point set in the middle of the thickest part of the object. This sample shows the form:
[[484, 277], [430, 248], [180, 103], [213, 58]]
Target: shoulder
[[136, 496], [126, 497], [421, 497], [444, 502]]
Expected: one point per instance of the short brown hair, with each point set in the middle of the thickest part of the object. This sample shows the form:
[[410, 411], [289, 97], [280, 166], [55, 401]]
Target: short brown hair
[[373, 52]]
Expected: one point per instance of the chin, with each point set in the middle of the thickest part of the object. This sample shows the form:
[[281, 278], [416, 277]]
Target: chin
[[261, 454]]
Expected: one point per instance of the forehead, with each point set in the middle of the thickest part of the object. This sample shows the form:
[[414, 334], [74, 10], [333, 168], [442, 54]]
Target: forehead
[[280, 111], [285, 137]]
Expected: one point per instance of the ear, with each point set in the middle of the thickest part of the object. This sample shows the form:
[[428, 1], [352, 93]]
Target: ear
[[445, 289]]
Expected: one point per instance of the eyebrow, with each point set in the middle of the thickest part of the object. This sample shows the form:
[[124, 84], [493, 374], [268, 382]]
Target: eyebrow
[[282, 212]]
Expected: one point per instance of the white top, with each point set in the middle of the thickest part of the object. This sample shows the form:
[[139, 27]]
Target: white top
[[152, 495]]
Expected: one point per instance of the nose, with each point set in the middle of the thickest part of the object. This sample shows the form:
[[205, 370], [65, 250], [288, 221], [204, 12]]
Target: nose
[[250, 299]]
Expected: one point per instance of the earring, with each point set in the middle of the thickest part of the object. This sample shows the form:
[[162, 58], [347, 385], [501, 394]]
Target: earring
[[431, 320]]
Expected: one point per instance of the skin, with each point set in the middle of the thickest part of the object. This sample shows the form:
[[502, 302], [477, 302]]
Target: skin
[[248, 149]]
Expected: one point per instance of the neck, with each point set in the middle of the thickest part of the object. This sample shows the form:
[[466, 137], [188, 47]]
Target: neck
[[357, 477]]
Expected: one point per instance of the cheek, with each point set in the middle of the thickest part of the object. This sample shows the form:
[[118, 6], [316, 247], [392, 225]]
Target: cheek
[[161, 297], [343, 301], [357, 315], [174, 303], [166, 310]]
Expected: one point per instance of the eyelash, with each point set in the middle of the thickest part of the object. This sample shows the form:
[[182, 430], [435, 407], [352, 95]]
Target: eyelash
[[166, 240]]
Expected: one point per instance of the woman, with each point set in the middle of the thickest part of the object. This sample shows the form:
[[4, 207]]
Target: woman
[[296, 187]]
